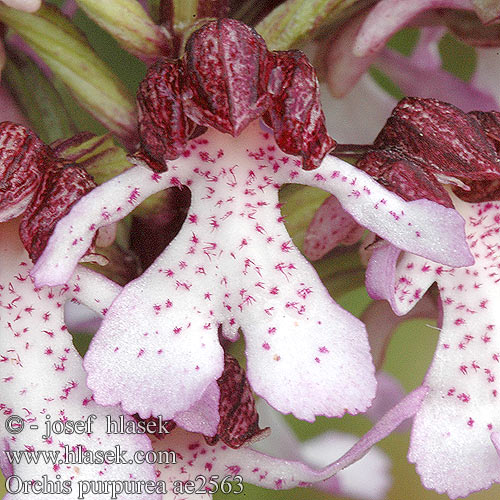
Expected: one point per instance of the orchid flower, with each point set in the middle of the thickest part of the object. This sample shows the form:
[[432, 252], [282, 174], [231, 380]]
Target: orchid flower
[[460, 412], [36, 341], [41, 372], [233, 264]]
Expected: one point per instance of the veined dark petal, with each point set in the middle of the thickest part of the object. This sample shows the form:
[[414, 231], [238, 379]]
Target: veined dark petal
[[405, 178], [226, 68], [164, 128], [23, 157], [296, 115], [441, 137], [239, 420], [489, 121], [62, 186]]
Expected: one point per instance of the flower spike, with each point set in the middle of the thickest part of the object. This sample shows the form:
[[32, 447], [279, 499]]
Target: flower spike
[[234, 265]]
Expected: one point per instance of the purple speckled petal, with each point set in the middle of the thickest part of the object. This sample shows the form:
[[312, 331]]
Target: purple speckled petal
[[388, 215], [36, 342], [106, 204], [335, 365], [196, 458], [163, 327], [453, 427], [233, 238], [331, 225], [401, 283]]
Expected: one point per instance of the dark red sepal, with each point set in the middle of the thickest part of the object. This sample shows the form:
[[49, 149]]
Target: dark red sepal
[[164, 128], [295, 113], [227, 67], [440, 137], [239, 420], [405, 178], [489, 121], [61, 187], [23, 157]]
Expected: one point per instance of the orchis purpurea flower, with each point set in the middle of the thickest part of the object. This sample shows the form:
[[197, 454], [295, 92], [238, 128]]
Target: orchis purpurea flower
[[424, 142], [41, 373], [233, 264]]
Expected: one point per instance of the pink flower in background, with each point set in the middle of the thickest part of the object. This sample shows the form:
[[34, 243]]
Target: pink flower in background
[[360, 43], [458, 420]]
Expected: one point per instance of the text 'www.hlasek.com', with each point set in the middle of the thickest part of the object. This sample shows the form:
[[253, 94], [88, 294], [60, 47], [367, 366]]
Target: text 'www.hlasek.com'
[[73, 457]]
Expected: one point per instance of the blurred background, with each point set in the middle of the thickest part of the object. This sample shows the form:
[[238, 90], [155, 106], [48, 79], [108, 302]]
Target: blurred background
[[411, 349]]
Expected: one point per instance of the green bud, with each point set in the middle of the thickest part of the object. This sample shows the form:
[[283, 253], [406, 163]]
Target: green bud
[[128, 22], [44, 108], [67, 53], [98, 154], [294, 20]]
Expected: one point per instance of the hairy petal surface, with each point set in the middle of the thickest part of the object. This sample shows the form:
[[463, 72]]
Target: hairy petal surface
[[233, 238], [41, 375], [453, 427], [74, 234], [388, 215]]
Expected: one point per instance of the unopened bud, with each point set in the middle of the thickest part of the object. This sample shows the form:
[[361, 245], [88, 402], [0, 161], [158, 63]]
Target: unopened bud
[[130, 25], [67, 53]]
